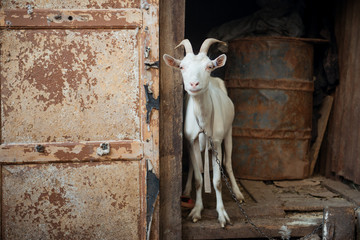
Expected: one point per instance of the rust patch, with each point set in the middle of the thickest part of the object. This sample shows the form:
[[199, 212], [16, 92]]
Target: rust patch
[[47, 18], [71, 4], [49, 77], [71, 201], [17, 153]]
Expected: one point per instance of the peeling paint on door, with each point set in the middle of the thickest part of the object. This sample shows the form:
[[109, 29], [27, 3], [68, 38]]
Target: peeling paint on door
[[72, 76], [51, 76], [85, 197], [71, 4]]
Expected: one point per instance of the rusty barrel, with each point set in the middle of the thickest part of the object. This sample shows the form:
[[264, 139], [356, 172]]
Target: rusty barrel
[[269, 79]]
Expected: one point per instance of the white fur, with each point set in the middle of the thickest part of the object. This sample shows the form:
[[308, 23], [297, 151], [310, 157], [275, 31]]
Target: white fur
[[208, 102]]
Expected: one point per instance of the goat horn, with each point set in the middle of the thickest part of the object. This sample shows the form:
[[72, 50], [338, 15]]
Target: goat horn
[[207, 43], [186, 43]]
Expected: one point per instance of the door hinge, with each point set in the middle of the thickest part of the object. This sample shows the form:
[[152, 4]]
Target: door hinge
[[151, 65], [151, 103]]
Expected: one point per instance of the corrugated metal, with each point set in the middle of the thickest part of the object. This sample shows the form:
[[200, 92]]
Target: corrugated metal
[[269, 81], [343, 141]]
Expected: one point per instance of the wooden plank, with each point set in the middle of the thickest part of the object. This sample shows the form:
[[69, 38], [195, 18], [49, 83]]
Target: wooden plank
[[64, 152], [322, 123], [172, 31], [45, 18], [260, 192], [253, 211], [210, 229], [297, 183], [313, 204], [339, 223], [350, 194], [342, 155]]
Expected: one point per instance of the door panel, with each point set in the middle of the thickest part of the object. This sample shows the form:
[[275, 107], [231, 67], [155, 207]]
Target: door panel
[[72, 76], [56, 81], [71, 201], [70, 4]]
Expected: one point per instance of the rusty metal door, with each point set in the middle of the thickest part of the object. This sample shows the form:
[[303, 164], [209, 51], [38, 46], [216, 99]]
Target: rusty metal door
[[75, 139]]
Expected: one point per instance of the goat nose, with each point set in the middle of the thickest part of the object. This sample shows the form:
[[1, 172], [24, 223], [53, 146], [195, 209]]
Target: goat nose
[[194, 84]]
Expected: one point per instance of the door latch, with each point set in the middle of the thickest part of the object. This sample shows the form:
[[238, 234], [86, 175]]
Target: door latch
[[151, 103]]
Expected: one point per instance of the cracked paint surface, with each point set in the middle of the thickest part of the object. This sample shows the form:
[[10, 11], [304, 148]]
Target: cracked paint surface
[[71, 201], [71, 4], [54, 83]]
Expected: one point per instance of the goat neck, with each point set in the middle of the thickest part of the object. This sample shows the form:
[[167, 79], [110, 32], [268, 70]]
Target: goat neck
[[203, 110]]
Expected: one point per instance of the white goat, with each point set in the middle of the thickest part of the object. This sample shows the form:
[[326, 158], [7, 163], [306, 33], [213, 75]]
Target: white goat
[[209, 113]]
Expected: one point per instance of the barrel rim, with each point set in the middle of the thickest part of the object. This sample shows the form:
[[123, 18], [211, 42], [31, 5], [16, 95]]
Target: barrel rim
[[275, 84], [278, 38], [261, 133]]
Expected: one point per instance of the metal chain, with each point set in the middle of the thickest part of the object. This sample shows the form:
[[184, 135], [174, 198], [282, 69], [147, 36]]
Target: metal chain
[[313, 232], [228, 185]]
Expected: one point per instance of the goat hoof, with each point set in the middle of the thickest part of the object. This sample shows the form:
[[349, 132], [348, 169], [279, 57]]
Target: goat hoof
[[227, 222], [195, 214], [240, 197], [223, 218]]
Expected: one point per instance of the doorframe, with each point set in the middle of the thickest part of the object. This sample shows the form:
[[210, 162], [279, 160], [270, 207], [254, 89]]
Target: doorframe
[[172, 32]]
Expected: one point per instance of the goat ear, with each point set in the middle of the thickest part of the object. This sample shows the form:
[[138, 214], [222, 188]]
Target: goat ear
[[170, 61], [219, 61], [216, 63]]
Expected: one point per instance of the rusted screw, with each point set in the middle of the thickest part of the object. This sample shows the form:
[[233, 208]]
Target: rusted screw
[[58, 17], [40, 148]]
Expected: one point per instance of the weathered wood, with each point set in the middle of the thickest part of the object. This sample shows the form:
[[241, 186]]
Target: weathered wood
[[260, 192], [342, 154], [297, 183], [209, 229], [307, 195], [313, 204], [172, 22], [61, 152], [339, 223], [252, 211], [48, 18], [322, 123], [344, 190], [299, 205]]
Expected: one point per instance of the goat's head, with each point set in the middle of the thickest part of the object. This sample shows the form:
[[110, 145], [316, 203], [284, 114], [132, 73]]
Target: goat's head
[[196, 69]]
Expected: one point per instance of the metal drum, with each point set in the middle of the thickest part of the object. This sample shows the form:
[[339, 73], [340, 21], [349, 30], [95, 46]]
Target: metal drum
[[269, 79]]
